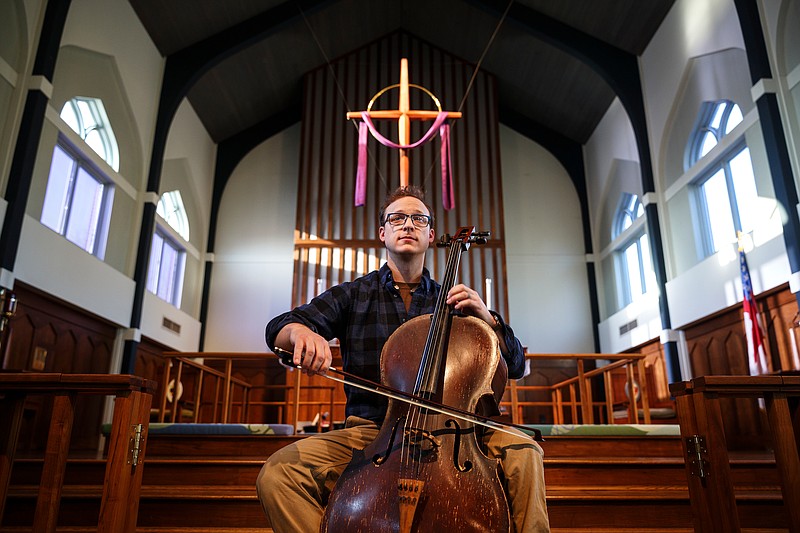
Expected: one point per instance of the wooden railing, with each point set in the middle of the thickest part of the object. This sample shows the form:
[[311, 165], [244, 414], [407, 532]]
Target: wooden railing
[[123, 475], [708, 470], [226, 405], [573, 396], [223, 383], [569, 400]]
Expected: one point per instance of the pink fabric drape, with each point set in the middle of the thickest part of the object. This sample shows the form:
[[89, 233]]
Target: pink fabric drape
[[448, 196], [361, 172], [438, 125]]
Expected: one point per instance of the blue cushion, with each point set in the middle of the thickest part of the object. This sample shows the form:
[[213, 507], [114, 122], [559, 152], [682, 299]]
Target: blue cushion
[[628, 430], [157, 428]]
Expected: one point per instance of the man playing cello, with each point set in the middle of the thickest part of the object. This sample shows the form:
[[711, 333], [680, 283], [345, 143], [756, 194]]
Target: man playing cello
[[295, 482]]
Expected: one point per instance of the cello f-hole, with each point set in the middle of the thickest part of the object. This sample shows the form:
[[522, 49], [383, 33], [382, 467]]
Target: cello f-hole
[[379, 460], [467, 466]]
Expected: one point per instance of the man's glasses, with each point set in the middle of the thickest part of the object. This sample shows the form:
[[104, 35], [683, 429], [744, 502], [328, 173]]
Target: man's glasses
[[398, 220]]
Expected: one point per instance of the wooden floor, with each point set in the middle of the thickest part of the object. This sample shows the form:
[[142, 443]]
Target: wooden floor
[[594, 484]]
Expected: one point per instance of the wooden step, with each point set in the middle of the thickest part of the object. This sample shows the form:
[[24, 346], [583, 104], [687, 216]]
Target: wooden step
[[207, 484], [192, 529]]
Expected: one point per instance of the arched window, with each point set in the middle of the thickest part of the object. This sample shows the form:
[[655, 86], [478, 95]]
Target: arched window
[[166, 267], [87, 117], [725, 192], [630, 209], [79, 195], [635, 274], [171, 209], [167, 253]]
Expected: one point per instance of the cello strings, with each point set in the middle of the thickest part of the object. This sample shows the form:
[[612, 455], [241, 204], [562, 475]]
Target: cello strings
[[438, 330], [416, 418], [416, 422]]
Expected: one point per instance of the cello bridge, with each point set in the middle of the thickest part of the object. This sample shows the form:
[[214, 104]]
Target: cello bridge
[[422, 439]]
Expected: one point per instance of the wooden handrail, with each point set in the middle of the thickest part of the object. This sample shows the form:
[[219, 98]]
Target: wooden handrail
[[573, 393], [120, 502], [227, 378], [580, 403]]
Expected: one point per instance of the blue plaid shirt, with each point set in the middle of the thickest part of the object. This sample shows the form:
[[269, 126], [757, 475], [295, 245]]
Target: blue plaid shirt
[[362, 314]]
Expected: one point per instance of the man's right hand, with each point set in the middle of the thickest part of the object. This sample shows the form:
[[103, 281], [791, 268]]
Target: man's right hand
[[312, 353]]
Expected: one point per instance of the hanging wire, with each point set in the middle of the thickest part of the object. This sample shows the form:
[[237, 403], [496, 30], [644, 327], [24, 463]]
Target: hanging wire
[[486, 48], [338, 87], [483, 55]]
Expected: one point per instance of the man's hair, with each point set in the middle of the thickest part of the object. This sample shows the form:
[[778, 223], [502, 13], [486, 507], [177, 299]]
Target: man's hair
[[402, 192]]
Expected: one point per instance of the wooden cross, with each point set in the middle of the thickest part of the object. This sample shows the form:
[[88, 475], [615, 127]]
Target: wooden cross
[[404, 115]]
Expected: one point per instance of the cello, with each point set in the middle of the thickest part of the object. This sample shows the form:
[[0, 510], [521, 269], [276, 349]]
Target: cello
[[425, 470]]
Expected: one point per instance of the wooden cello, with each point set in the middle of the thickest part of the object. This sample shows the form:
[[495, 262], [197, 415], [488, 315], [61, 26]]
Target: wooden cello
[[425, 470]]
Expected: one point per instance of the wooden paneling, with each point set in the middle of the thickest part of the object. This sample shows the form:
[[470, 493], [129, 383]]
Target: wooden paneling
[[48, 335], [150, 364], [717, 346]]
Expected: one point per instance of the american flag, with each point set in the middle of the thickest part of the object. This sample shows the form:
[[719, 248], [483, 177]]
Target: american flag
[[752, 328]]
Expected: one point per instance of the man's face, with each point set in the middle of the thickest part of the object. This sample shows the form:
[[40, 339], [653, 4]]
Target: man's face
[[406, 238]]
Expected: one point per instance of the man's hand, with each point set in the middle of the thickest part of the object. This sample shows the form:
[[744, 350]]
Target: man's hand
[[469, 302], [312, 353]]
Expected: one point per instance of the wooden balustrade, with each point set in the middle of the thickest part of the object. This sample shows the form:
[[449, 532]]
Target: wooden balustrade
[[223, 382], [574, 394], [569, 400], [123, 475]]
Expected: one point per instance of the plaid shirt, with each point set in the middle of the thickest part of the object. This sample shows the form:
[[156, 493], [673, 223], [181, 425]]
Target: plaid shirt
[[362, 314]]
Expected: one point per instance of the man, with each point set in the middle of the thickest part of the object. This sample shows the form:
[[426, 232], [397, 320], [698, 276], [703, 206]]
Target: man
[[295, 482]]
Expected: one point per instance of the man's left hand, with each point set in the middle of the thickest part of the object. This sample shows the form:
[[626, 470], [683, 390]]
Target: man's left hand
[[469, 302]]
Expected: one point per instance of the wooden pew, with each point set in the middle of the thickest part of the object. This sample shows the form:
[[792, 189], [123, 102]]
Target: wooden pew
[[123, 475], [707, 462]]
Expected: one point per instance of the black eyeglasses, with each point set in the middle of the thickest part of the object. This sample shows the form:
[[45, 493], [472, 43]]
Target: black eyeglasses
[[398, 220]]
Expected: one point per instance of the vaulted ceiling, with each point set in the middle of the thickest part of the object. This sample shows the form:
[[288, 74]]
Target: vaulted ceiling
[[550, 58]]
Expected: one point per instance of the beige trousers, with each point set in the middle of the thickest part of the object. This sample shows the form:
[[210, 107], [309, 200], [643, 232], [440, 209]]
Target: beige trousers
[[295, 482]]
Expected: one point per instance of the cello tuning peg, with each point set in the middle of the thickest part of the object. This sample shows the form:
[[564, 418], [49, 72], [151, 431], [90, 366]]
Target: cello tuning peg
[[481, 237]]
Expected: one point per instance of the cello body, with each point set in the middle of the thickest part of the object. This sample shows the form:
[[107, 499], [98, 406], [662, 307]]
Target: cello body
[[425, 471]]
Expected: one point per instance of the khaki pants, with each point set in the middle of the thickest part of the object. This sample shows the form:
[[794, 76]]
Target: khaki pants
[[295, 482]]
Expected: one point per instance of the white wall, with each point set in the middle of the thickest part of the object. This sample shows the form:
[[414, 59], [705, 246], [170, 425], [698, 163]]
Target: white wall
[[140, 63], [548, 286], [716, 283], [50, 262], [155, 310], [691, 30], [612, 140], [189, 140], [253, 265]]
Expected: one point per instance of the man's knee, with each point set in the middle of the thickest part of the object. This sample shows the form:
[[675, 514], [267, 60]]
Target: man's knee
[[273, 477]]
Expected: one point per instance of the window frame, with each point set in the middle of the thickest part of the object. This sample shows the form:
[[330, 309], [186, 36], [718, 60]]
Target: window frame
[[623, 238], [631, 237], [722, 162], [177, 218], [169, 238], [102, 126], [83, 162]]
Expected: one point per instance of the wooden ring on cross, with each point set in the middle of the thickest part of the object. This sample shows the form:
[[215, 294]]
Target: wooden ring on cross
[[390, 87]]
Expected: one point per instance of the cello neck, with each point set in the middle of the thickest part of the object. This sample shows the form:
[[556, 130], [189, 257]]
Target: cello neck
[[433, 356]]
